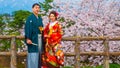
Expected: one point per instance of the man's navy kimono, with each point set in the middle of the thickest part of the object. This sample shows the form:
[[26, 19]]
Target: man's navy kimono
[[31, 32]]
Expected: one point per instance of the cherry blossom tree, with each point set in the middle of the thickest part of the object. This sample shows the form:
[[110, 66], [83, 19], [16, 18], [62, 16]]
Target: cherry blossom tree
[[89, 18]]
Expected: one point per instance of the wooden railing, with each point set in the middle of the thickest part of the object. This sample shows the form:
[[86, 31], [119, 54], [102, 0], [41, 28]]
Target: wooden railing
[[13, 53]]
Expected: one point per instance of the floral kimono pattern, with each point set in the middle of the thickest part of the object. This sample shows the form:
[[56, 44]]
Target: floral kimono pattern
[[53, 56]]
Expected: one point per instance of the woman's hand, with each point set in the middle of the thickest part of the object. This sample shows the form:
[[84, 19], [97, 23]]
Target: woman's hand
[[29, 41], [47, 36]]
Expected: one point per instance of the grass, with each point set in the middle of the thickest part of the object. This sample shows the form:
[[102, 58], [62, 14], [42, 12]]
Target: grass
[[67, 67], [111, 66]]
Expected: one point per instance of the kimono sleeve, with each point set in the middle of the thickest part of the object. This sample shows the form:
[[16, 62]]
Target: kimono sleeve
[[28, 28], [46, 30]]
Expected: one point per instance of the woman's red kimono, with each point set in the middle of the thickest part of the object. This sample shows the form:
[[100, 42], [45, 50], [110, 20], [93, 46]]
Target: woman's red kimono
[[53, 56]]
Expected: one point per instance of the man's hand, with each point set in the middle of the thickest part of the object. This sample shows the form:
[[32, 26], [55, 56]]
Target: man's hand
[[29, 41]]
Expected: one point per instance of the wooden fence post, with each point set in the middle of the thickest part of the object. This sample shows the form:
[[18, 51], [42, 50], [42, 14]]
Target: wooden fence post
[[77, 54], [106, 50], [13, 63]]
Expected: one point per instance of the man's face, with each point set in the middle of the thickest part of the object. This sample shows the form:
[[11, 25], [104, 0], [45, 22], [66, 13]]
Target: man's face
[[36, 9]]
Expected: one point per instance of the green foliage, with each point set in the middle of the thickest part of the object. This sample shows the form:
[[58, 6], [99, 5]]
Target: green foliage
[[48, 1], [1, 21], [70, 23], [62, 19], [5, 45], [2, 24], [19, 18], [46, 5], [10, 25], [17, 21]]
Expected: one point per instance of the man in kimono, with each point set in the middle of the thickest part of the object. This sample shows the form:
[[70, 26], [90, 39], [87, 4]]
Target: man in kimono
[[32, 25]]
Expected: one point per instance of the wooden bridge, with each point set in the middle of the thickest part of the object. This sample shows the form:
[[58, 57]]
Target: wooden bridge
[[13, 52]]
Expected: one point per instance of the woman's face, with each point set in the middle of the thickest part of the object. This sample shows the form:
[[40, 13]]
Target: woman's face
[[52, 17]]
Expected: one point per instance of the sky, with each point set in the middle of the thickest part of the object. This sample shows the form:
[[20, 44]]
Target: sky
[[8, 6]]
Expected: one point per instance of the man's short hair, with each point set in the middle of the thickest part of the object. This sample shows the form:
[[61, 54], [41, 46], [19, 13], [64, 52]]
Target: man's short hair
[[35, 5]]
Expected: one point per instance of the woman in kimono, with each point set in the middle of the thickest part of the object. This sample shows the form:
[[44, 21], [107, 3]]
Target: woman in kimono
[[53, 56]]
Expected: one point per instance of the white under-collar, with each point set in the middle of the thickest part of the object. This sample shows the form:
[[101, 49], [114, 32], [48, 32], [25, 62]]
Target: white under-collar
[[52, 23]]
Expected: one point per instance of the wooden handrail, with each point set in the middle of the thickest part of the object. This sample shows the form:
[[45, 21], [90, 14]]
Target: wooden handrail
[[72, 38], [13, 53]]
